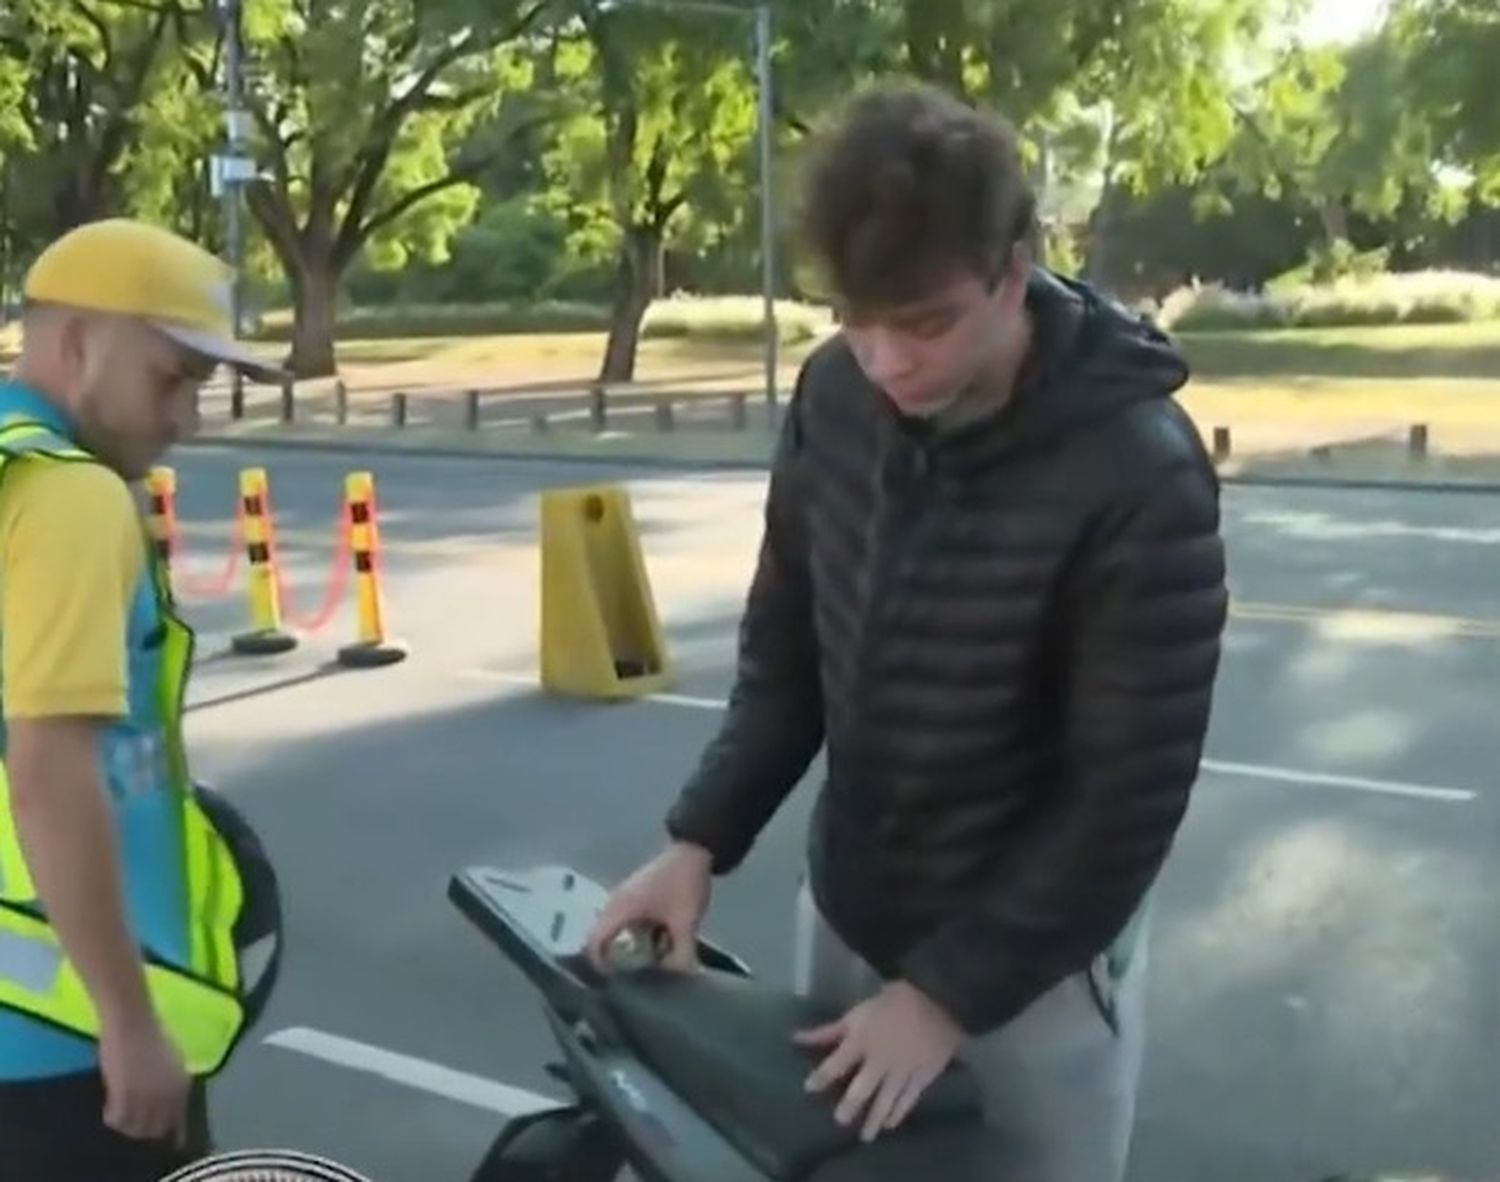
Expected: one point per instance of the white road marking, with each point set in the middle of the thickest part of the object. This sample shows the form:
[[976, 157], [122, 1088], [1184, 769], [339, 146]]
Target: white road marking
[[689, 702], [1249, 771], [420, 1074], [1285, 775]]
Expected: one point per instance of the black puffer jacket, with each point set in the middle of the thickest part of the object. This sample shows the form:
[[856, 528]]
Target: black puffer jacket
[[1006, 634]]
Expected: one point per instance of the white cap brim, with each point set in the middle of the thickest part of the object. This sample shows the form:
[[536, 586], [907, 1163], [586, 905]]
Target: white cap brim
[[230, 352]]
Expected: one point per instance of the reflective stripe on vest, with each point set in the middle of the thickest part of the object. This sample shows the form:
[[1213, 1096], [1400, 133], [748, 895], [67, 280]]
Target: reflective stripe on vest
[[198, 1004]]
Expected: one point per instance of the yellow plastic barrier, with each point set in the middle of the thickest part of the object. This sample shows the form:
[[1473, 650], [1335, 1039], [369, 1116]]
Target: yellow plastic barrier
[[600, 634], [372, 647], [267, 636]]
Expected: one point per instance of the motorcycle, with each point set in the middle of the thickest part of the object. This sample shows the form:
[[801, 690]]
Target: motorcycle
[[683, 1077]]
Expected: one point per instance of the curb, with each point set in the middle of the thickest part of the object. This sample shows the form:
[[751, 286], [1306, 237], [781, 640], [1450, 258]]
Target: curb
[[721, 464], [438, 451], [1365, 484]]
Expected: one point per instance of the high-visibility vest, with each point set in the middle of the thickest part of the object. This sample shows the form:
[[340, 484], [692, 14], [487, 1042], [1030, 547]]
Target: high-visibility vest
[[197, 1003]]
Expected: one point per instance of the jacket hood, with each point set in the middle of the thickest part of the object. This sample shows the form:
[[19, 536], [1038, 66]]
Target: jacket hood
[[1090, 357]]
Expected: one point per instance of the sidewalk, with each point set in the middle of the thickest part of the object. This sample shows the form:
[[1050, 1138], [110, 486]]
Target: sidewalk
[[700, 433], [692, 449]]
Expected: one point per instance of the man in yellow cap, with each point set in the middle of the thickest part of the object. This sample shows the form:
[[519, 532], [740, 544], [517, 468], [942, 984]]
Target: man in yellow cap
[[120, 992]]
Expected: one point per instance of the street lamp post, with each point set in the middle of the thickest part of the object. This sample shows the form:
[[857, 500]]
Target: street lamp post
[[767, 202], [766, 109], [231, 170]]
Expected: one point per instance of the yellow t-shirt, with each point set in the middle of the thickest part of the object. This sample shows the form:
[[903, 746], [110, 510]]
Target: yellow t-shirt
[[71, 553]]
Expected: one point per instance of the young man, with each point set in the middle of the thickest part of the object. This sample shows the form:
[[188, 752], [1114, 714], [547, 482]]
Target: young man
[[992, 583], [119, 984]]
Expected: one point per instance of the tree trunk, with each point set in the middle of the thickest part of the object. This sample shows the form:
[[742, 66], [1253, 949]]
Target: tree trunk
[[935, 43], [635, 284], [315, 294], [78, 198], [1097, 260], [1335, 220]]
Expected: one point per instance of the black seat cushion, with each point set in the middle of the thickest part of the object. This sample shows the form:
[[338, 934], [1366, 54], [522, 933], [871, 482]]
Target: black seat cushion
[[724, 1043]]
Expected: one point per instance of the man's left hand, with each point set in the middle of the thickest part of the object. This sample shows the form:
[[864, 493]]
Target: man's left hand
[[894, 1046]]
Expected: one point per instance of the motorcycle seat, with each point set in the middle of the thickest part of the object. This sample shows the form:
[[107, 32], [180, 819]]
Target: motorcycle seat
[[955, 1153], [724, 1044]]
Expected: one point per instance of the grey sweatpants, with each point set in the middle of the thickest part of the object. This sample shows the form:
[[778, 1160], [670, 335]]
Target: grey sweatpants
[[1058, 1084]]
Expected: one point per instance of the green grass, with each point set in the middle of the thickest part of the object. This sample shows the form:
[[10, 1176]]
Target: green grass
[[1291, 357], [1448, 372], [1394, 351], [533, 359]]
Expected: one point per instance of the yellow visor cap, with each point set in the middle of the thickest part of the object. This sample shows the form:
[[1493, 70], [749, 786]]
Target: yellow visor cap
[[131, 268]]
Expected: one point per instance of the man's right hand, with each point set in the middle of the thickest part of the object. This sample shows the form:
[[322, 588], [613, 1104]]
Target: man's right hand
[[670, 891], [145, 1084]]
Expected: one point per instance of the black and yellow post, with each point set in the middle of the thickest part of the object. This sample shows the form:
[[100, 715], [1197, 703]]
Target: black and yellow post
[[372, 647], [161, 512], [600, 634], [266, 636]]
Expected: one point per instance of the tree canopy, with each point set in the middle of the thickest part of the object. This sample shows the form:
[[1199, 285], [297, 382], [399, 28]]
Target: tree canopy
[[607, 151]]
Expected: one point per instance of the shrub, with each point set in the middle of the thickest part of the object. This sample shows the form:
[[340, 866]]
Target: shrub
[[731, 318], [450, 320], [1216, 308], [1422, 297], [706, 318]]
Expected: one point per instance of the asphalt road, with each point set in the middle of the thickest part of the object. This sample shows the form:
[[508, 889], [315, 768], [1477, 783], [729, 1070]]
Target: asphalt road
[[1326, 981]]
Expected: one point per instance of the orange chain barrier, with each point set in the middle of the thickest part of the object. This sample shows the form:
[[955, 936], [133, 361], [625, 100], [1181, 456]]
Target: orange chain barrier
[[355, 548], [337, 585]]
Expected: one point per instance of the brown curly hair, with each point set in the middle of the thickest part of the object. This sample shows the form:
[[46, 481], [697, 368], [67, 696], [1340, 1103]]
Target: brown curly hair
[[908, 186]]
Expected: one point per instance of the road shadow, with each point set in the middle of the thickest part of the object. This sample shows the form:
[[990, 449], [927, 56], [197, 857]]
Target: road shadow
[[263, 689], [1322, 994], [1430, 552]]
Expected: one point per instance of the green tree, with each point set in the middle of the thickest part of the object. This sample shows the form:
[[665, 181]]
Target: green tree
[[1104, 95], [375, 117], [1160, 89], [654, 151], [79, 80], [1335, 128], [1453, 48], [13, 138]]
